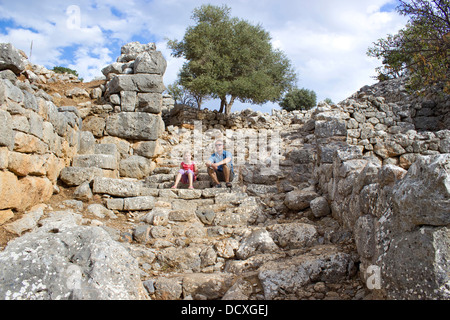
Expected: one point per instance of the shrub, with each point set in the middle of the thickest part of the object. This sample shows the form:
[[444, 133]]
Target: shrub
[[299, 99], [65, 70]]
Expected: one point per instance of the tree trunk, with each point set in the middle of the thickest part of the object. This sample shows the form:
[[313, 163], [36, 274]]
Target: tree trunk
[[229, 105], [223, 103], [199, 102]]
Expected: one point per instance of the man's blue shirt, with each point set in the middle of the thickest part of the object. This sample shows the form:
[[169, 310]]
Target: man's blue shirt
[[217, 158]]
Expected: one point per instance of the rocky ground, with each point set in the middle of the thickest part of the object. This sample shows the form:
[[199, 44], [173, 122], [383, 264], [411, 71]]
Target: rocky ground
[[244, 242], [319, 200]]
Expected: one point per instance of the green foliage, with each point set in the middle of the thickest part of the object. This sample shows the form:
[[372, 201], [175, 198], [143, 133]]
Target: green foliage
[[421, 50], [230, 58], [328, 101], [299, 99], [182, 95], [65, 70]]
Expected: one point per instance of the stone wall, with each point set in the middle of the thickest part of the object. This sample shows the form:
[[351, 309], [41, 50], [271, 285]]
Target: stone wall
[[395, 126], [121, 137], [184, 115], [41, 142], [37, 139], [387, 182]]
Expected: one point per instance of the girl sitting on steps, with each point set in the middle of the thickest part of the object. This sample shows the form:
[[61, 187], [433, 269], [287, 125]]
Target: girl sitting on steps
[[188, 171]]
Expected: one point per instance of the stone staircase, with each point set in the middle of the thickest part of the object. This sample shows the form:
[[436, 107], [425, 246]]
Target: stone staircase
[[216, 243]]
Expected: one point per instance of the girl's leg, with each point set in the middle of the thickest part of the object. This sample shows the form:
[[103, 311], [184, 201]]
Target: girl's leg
[[191, 179], [177, 180]]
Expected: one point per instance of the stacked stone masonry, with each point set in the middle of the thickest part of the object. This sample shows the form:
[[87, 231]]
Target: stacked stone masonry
[[360, 186]]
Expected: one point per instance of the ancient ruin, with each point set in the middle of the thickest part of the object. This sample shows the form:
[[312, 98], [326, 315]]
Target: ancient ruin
[[346, 201]]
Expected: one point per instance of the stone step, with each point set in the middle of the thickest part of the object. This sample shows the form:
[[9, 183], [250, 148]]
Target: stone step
[[118, 187]]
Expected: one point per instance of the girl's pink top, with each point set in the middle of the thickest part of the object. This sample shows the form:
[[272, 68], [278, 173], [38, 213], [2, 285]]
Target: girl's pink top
[[188, 166]]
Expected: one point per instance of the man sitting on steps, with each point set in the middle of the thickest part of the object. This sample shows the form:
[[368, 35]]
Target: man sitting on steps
[[220, 165]]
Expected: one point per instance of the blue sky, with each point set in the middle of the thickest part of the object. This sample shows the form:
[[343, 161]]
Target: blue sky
[[326, 40]]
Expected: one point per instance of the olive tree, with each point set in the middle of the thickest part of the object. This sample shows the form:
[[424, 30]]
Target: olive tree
[[230, 59]]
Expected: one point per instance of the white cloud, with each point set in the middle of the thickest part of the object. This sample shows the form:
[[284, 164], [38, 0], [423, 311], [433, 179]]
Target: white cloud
[[325, 40]]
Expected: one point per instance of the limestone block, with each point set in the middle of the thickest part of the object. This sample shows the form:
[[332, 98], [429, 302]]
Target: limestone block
[[128, 101], [141, 234], [27, 222], [95, 124], [29, 144], [114, 68], [100, 211], [117, 187], [4, 155], [294, 235], [150, 62], [6, 130], [20, 123], [130, 51], [114, 204], [135, 126], [103, 161], [75, 176], [5, 215], [91, 247], [415, 266], [23, 164], [258, 241], [149, 102], [320, 207], [148, 149], [24, 193], [114, 99], [325, 129], [135, 167], [294, 273], [139, 203], [87, 143], [150, 83], [83, 192]]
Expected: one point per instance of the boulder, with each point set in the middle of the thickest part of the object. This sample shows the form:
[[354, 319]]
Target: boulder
[[12, 58], [422, 197], [259, 241], [130, 51], [286, 276], [63, 260], [299, 199], [294, 235], [319, 207]]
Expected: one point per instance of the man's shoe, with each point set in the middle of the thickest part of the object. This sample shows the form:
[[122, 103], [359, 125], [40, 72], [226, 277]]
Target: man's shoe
[[218, 186], [228, 184]]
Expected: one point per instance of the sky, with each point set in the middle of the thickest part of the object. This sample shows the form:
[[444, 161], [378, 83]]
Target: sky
[[325, 40]]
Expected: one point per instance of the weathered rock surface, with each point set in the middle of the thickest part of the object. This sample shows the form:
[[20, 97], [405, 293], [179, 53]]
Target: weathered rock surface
[[63, 260], [335, 193]]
